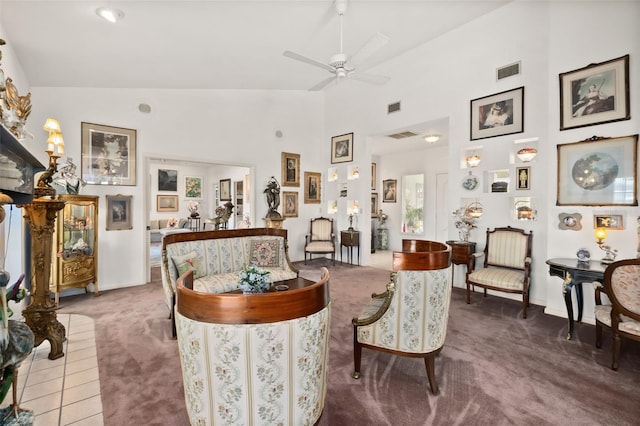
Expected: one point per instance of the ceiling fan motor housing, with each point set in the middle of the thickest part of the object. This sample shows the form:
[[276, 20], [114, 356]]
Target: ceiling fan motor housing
[[338, 60]]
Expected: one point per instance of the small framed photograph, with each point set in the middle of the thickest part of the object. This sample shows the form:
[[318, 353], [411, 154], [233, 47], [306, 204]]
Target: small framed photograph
[[108, 155], [598, 172], [498, 115], [167, 180], [225, 189], [290, 169], [374, 204], [312, 182], [523, 178], [389, 190], [290, 200], [119, 212], [609, 221], [167, 203], [193, 187], [373, 176], [595, 94], [342, 148]]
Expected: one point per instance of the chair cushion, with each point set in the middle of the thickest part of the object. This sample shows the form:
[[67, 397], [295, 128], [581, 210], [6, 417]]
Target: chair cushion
[[319, 247], [189, 261], [321, 229], [626, 325], [498, 277], [265, 253], [624, 284], [507, 248]]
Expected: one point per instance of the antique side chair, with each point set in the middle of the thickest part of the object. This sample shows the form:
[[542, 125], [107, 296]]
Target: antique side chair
[[320, 239]]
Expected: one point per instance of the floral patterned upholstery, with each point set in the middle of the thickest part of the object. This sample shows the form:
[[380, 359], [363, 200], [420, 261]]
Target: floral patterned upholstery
[[259, 373], [410, 318], [507, 264], [622, 316]]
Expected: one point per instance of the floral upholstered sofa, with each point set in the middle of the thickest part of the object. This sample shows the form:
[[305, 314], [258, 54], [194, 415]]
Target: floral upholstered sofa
[[217, 258]]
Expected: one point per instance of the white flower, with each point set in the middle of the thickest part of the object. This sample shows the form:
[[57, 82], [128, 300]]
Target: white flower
[[254, 279]]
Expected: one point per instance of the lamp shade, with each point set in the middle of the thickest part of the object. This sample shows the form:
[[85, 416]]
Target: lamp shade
[[51, 125], [527, 154], [473, 160], [601, 234]]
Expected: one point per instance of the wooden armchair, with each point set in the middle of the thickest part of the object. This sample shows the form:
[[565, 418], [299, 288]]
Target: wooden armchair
[[320, 239], [622, 316], [410, 318], [507, 264]]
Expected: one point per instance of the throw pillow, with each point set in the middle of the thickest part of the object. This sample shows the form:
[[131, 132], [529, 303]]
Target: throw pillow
[[187, 262], [265, 253], [172, 222]]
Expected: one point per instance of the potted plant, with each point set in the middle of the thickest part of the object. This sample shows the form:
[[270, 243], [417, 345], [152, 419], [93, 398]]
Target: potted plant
[[254, 279]]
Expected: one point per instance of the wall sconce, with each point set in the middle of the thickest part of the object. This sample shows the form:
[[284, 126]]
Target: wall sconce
[[332, 207], [527, 154], [432, 138], [353, 173], [472, 160], [609, 253]]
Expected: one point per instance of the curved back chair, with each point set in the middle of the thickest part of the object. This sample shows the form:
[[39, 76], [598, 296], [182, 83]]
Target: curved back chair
[[321, 239], [254, 359], [507, 264], [622, 316], [410, 318]]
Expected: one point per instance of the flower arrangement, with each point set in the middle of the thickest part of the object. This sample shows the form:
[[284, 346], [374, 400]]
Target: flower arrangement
[[193, 208], [254, 279], [464, 222]]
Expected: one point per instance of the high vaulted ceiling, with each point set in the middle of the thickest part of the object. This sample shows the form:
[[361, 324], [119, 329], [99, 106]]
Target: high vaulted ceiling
[[214, 44]]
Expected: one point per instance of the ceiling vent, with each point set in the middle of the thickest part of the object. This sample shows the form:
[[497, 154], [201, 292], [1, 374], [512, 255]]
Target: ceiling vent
[[402, 135], [508, 71], [395, 107]]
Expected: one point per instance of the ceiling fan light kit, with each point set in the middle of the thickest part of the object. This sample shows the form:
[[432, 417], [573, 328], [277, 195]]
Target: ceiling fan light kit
[[341, 65]]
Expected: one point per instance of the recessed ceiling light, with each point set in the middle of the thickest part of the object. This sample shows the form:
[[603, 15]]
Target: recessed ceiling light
[[432, 138], [111, 15]]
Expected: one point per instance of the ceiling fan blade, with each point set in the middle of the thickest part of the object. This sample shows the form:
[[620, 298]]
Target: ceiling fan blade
[[324, 83], [369, 78], [369, 48], [309, 61]]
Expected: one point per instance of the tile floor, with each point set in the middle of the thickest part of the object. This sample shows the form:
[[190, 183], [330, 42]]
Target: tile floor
[[65, 391]]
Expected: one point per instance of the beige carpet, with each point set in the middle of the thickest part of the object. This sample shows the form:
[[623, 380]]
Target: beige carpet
[[495, 368]]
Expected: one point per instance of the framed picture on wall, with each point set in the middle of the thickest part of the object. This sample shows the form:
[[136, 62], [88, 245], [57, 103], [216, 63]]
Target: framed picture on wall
[[290, 169], [373, 176], [108, 155], [193, 187], [374, 204], [119, 212], [598, 172], [389, 190], [167, 203], [312, 182], [595, 94], [342, 148], [523, 178], [225, 189], [498, 115], [167, 180], [609, 221], [290, 200]]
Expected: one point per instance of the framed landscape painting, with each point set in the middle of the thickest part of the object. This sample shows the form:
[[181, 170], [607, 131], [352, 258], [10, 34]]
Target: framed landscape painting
[[498, 115], [598, 172], [108, 155], [167, 203], [167, 180], [595, 94]]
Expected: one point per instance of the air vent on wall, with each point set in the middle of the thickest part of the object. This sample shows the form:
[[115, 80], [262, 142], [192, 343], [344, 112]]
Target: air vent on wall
[[402, 135], [508, 71], [395, 107]]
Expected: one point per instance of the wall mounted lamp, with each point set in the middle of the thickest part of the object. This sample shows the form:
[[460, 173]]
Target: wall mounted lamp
[[527, 154], [472, 160]]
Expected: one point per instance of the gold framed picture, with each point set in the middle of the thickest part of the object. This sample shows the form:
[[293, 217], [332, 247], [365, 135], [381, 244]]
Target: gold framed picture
[[290, 200], [290, 169], [312, 187], [523, 178], [167, 203]]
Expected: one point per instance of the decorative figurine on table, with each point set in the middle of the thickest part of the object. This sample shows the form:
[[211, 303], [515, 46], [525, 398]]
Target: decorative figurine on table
[[272, 192], [464, 222], [16, 343], [66, 179]]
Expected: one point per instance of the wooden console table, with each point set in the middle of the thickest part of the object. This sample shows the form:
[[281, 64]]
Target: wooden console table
[[574, 273], [462, 254]]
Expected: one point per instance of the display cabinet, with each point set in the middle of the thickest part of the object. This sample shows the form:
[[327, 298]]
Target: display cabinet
[[75, 257]]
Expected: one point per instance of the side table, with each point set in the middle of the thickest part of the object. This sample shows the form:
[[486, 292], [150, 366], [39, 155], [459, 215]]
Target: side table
[[462, 254], [194, 223], [350, 239]]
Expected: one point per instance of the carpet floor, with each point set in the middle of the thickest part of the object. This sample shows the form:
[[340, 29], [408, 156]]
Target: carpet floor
[[495, 368]]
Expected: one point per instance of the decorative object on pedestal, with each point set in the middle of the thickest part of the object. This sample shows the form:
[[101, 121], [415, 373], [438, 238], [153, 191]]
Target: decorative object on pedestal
[[583, 255], [193, 208], [254, 280], [609, 253], [273, 219], [222, 216], [14, 109], [464, 222], [66, 181], [383, 232]]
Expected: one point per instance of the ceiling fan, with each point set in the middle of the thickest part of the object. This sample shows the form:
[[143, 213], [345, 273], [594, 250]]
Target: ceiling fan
[[341, 65]]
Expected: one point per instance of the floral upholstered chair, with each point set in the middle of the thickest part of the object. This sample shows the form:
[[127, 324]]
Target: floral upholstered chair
[[622, 316], [410, 318], [507, 264], [258, 359], [320, 239]]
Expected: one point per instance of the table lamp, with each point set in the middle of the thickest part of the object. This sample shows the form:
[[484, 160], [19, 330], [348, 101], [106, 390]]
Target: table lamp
[[610, 254]]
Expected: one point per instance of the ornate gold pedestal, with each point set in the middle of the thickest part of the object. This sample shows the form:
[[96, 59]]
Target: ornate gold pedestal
[[273, 223], [40, 315]]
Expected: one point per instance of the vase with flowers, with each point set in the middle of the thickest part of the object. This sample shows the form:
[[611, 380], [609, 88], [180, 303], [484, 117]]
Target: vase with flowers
[[254, 279], [464, 222], [193, 208]]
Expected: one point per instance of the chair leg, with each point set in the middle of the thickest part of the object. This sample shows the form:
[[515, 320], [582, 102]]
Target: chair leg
[[174, 333], [598, 335], [429, 363], [525, 303], [357, 354], [468, 293], [615, 351]]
